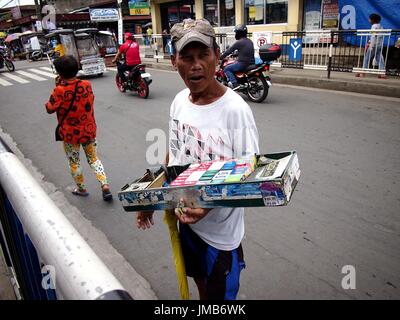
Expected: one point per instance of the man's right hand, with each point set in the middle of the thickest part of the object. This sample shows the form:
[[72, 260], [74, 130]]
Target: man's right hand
[[144, 219]]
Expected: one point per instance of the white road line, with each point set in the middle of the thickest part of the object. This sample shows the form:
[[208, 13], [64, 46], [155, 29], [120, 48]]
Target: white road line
[[30, 75], [46, 68], [5, 83], [44, 73], [15, 78], [112, 69]]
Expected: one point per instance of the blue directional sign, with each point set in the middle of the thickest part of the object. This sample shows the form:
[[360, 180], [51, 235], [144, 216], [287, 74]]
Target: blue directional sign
[[295, 49]]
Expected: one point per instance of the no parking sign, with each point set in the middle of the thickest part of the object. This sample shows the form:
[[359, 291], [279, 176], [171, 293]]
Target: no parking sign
[[261, 38]]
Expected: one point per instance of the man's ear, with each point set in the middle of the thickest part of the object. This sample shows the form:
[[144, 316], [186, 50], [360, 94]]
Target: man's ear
[[217, 56], [173, 61]]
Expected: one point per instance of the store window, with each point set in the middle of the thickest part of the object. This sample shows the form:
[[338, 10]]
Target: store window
[[220, 13], [265, 11]]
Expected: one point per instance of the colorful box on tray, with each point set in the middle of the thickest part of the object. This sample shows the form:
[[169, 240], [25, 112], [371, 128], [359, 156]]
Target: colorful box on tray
[[255, 181]]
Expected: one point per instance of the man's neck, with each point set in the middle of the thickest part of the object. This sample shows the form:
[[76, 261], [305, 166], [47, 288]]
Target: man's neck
[[211, 94]]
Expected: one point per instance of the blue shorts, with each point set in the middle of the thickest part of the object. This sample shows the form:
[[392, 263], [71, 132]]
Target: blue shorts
[[220, 268]]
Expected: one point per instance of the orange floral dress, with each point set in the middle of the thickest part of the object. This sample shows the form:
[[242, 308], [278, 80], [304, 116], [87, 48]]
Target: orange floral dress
[[80, 125]]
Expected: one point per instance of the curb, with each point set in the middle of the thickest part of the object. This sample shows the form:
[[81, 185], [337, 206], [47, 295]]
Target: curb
[[329, 84], [340, 85]]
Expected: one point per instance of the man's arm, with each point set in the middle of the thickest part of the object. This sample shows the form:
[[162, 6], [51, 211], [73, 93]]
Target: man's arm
[[229, 50], [119, 53], [117, 56]]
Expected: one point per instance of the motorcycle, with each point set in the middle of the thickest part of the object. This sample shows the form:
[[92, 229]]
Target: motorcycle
[[36, 55], [255, 81], [5, 60], [137, 80]]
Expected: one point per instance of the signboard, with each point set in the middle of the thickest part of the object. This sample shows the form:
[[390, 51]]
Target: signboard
[[295, 49], [39, 26], [261, 38], [104, 14], [354, 13], [120, 32], [16, 13], [330, 14], [139, 8]]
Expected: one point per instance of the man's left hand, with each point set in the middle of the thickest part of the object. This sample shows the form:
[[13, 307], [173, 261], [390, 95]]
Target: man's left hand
[[190, 215]]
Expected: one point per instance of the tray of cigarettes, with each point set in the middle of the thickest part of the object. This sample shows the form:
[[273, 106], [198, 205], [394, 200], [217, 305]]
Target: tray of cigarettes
[[265, 180]]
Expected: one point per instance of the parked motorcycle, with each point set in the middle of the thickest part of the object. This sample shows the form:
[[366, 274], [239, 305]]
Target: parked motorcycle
[[255, 81], [5, 60], [137, 80], [36, 55]]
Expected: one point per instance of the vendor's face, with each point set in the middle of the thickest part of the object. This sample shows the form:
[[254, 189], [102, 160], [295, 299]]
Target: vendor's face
[[196, 65]]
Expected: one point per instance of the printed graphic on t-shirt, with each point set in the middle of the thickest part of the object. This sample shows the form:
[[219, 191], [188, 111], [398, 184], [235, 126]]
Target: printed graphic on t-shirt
[[189, 144]]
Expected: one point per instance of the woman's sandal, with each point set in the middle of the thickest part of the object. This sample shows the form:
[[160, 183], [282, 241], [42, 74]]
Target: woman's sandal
[[80, 193], [107, 196]]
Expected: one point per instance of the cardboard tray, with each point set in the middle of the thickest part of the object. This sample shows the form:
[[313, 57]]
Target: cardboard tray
[[151, 191]]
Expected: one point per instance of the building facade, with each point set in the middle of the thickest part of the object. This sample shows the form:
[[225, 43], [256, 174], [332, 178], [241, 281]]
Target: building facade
[[258, 15]]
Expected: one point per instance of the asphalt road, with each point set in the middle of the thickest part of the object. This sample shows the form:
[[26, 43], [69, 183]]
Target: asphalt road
[[345, 210]]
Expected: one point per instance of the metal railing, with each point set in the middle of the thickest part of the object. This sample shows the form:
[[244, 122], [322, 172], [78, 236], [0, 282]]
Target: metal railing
[[46, 255], [343, 50], [349, 51]]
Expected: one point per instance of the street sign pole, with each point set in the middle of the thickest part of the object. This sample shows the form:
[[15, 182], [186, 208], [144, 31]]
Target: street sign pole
[[120, 24]]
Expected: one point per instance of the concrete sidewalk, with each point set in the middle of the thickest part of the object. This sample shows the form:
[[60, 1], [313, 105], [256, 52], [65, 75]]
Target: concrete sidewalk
[[6, 289], [340, 81]]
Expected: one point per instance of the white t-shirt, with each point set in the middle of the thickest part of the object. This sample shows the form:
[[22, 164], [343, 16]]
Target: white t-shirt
[[224, 129], [376, 39]]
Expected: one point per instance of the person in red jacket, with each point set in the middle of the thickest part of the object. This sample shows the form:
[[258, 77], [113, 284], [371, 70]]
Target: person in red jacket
[[130, 49], [78, 125]]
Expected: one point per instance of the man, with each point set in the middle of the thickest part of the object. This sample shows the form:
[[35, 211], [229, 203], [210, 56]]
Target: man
[[149, 35], [130, 49], [374, 47], [208, 121], [245, 49]]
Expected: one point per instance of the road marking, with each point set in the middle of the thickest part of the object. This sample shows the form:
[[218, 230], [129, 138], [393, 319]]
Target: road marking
[[15, 78], [32, 76], [44, 73], [5, 83], [112, 69], [47, 68]]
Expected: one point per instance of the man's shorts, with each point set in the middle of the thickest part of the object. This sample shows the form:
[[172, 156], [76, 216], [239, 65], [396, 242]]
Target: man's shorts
[[220, 268]]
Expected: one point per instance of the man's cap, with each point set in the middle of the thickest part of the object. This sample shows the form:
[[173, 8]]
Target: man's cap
[[128, 35], [192, 30]]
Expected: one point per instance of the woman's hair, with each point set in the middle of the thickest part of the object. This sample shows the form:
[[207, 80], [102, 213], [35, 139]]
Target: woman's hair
[[66, 66], [375, 18]]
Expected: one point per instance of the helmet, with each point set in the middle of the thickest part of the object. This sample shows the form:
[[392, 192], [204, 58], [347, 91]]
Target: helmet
[[128, 36], [240, 31]]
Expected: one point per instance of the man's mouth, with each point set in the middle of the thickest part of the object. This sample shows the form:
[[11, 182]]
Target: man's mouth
[[196, 78]]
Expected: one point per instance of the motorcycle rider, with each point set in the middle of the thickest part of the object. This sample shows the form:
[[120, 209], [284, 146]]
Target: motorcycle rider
[[245, 49], [130, 49]]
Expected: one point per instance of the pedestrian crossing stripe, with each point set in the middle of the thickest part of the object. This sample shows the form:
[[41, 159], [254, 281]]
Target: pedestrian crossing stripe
[[5, 83], [15, 78], [44, 73], [47, 68], [30, 75], [27, 75]]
